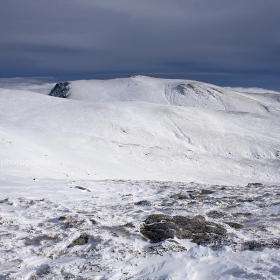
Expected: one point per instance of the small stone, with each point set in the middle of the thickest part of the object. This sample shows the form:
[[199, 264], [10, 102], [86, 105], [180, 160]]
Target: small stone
[[63, 218], [143, 202], [93, 221], [82, 240], [129, 225], [83, 188], [204, 191]]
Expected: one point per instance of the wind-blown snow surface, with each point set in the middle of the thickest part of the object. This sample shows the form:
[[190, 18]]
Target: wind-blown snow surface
[[40, 219], [132, 130]]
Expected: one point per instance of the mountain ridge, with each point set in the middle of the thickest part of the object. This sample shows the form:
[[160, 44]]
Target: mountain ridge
[[128, 129]]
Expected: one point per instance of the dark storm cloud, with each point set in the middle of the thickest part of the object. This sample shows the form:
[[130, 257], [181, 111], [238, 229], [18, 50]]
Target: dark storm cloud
[[221, 41]]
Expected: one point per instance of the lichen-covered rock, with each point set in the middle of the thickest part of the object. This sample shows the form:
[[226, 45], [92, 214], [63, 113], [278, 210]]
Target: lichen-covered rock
[[158, 227], [61, 90]]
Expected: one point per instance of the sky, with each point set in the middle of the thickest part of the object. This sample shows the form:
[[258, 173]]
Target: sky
[[224, 42]]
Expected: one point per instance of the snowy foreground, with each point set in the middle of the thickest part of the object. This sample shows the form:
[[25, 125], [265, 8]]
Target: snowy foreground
[[79, 176], [40, 219]]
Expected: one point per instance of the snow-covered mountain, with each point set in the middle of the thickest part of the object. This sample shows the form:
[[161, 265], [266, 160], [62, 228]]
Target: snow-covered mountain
[[181, 154], [142, 128]]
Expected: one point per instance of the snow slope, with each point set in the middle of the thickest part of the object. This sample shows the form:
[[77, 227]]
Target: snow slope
[[142, 128]]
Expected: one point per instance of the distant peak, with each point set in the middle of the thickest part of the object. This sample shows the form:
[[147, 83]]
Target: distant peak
[[61, 90], [139, 76]]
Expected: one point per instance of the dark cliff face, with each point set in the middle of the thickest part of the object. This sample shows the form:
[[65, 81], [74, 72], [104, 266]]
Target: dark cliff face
[[61, 90]]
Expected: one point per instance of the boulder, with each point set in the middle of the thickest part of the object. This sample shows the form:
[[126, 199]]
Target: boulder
[[158, 227]]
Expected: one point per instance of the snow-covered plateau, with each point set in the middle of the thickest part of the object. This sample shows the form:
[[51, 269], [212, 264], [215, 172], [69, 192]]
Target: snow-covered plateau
[[139, 178]]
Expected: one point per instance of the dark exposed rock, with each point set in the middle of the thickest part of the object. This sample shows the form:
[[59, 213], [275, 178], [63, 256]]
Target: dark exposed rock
[[216, 214], [255, 245], [215, 240], [179, 196], [234, 225], [82, 240], [61, 90], [241, 214], [204, 191], [8, 201], [143, 203], [158, 227], [63, 218], [245, 200], [93, 221], [156, 218], [128, 225], [255, 185], [83, 188], [183, 88]]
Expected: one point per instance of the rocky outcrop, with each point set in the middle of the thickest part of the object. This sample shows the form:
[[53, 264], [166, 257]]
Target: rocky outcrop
[[61, 90], [185, 88], [158, 227]]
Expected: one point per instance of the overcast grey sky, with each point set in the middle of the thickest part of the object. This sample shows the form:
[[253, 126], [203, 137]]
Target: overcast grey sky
[[226, 42]]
